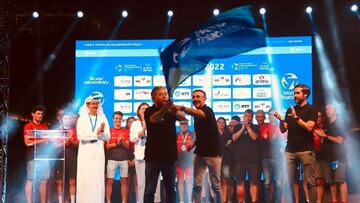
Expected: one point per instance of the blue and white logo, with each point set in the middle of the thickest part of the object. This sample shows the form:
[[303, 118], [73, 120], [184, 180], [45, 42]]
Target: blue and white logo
[[289, 81], [98, 95]]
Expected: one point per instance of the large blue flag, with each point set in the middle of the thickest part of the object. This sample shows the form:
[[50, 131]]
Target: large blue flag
[[228, 34]]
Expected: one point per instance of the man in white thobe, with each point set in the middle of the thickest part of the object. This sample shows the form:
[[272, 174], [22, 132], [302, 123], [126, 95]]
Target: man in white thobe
[[92, 130]]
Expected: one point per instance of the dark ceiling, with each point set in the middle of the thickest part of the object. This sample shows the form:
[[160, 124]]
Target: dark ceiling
[[31, 45]]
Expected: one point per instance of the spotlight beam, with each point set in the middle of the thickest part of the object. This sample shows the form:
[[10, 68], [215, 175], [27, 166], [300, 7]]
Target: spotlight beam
[[124, 15], [49, 61], [117, 28], [168, 23], [28, 22], [329, 81], [58, 47], [262, 11], [355, 8]]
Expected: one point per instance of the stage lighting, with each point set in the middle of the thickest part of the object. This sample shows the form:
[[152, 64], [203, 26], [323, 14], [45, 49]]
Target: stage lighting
[[80, 14], [308, 10], [124, 14], [35, 14], [262, 11], [53, 56], [216, 12], [170, 13], [354, 8]]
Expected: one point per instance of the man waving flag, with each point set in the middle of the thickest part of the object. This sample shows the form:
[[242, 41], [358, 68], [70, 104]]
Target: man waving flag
[[228, 34]]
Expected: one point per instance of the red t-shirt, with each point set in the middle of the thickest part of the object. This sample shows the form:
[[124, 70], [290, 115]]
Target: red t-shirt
[[73, 136], [265, 132], [184, 157], [316, 140], [116, 133], [32, 126], [118, 153], [270, 139]]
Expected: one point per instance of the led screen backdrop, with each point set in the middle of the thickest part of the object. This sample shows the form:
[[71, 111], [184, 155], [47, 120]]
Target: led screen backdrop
[[123, 72]]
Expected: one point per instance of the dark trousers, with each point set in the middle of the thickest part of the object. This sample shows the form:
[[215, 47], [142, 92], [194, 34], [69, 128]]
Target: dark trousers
[[152, 171]]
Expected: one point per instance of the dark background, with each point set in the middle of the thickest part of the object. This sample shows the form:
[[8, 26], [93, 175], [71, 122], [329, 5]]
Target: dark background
[[31, 45], [147, 19]]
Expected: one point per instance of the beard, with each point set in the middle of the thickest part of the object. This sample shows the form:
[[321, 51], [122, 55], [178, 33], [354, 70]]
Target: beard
[[299, 101]]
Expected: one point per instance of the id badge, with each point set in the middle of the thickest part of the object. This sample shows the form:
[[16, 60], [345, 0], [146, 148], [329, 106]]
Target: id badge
[[142, 141], [334, 165]]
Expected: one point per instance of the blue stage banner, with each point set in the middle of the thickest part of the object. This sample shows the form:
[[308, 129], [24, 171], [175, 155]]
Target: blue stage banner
[[228, 34]]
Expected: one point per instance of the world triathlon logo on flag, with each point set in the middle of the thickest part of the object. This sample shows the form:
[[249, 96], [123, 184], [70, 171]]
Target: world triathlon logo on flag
[[228, 34]]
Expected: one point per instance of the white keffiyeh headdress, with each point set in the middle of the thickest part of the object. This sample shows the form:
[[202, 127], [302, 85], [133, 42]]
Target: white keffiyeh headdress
[[84, 109]]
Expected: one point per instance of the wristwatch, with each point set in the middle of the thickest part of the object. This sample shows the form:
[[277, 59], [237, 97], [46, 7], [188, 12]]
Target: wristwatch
[[182, 108], [296, 118]]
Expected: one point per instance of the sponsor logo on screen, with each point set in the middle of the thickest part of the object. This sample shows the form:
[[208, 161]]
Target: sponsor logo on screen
[[261, 93], [221, 80], [186, 82], [222, 106], [182, 93], [241, 93], [240, 66], [159, 80], [221, 93], [123, 81], [262, 79], [142, 81], [266, 66], [241, 79], [142, 94], [147, 67], [241, 106], [262, 105], [123, 94], [124, 107], [201, 80], [127, 67]]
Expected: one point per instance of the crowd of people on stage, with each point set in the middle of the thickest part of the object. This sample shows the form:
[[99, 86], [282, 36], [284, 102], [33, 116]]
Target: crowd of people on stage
[[219, 154]]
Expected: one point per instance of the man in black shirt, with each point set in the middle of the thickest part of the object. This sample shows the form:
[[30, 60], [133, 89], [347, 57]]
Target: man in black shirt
[[300, 122], [160, 150], [333, 155], [208, 147], [247, 156]]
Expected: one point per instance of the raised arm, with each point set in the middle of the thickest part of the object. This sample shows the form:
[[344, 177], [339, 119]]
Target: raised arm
[[336, 139], [194, 112], [283, 124], [159, 115]]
